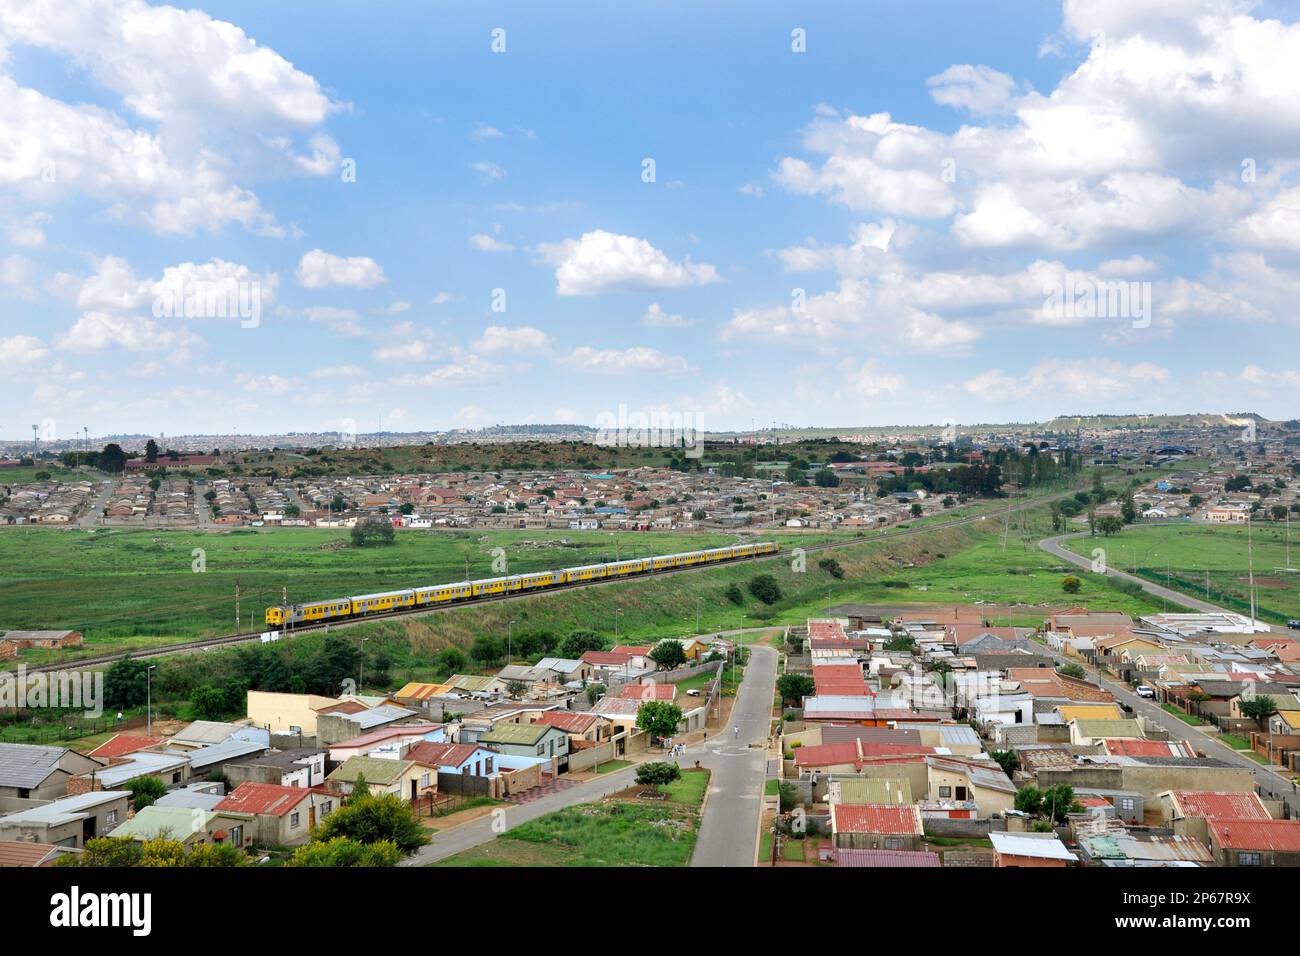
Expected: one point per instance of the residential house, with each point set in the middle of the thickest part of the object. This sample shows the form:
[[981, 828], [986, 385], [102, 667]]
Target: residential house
[[1029, 850], [528, 740], [69, 821], [876, 827], [31, 771], [404, 778], [281, 816]]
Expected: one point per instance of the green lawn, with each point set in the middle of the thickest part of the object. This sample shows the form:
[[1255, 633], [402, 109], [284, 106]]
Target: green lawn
[[613, 765], [1235, 742], [772, 788], [605, 834], [1185, 718], [1182, 556], [690, 788], [765, 847]]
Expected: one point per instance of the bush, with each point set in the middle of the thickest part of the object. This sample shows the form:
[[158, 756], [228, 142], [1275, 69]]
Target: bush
[[765, 588], [734, 594], [657, 774], [1071, 584], [831, 567]]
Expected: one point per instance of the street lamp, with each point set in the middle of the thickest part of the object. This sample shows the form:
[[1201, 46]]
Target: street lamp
[[148, 707]]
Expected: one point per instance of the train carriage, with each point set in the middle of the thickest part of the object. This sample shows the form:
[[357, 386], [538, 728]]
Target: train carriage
[[384, 601], [336, 608]]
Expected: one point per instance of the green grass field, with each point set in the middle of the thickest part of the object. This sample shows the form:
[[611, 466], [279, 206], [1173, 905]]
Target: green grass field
[[603, 834], [1182, 556], [124, 583]]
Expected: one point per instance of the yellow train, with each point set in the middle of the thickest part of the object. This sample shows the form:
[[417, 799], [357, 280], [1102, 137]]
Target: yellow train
[[316, 612]]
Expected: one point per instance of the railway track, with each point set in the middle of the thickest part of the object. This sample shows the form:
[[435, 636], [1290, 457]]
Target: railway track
[[208, 643]]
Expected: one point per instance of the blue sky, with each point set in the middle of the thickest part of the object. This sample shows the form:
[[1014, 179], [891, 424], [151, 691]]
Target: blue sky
[[865, 232]]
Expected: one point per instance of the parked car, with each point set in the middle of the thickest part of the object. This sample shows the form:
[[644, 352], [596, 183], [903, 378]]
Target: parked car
[[1144, 691], [1294, 625]]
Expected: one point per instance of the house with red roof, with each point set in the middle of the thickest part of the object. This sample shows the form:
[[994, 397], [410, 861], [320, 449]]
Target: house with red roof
[[1188, 812], [651, 691], [1250, 842], [581, 728], [280, 816], [462, 759], [119, 745], [876, 827]]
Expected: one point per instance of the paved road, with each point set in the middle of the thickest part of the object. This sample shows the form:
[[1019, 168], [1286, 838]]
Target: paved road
[[95, 510], [1054, 547], [1270, 783], [729, 830]]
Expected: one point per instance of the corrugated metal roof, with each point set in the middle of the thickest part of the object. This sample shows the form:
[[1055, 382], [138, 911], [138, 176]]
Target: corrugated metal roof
[[27, 765], [885, 858], [1041, 846]]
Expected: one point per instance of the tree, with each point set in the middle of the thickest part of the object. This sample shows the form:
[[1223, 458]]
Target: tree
[[487, 649], [825, 478], [1258, 709], [371, 819], [795, 687], [1127, 509], [1110, 525], [126, 683], [734, 594], [120, 852], [579, 642], [112, 459], [657, 774], [1007, 760], [658, 718], [594, 692], [344, 851], [516, 689], [765, 588], [1071, 584], [144, 791], [916, 509], [151, 451], [1071, 670], [373, 531], [450, 660], [209, 702], [668, 654]]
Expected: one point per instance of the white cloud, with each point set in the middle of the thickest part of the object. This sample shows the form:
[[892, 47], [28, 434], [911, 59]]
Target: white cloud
[[601, 261], [498, 338], [100, 331], [979, 89], [1095, 380], [656, 317], [215, 106], [319, 269], [622, 361], [485, 243], [488, 172], [481, 132], [21, 350], [342, 321]]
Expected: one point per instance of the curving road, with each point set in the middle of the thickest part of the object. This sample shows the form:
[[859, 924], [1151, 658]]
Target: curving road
[[1054, 547]]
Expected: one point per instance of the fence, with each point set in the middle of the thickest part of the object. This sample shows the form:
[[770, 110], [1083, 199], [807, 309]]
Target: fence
[[65, 731]]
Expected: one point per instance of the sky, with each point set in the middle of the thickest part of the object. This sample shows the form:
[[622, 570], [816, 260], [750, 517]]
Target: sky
[[308, 216]]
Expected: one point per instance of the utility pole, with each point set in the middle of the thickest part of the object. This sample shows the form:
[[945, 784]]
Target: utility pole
[[1250, 565], [236, 605]]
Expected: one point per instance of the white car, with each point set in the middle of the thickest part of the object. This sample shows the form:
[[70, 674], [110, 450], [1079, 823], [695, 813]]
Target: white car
[[1145, 691]]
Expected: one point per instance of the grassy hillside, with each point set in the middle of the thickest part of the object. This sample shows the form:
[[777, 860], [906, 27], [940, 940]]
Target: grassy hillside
[[1186, 557]]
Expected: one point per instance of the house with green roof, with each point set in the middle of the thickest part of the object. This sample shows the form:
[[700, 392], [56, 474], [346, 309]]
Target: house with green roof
[[409, 779], [190, 826], [528, 740], [1094, 731]]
